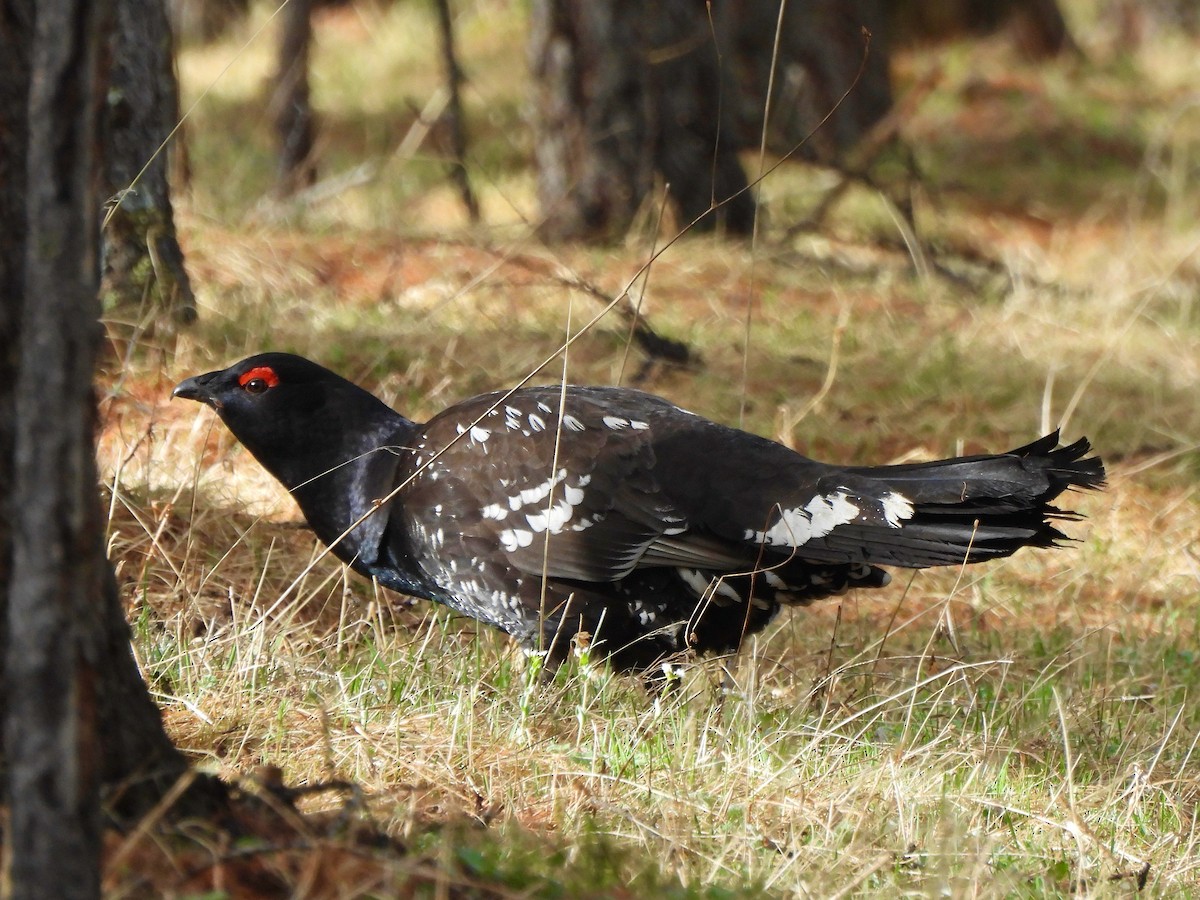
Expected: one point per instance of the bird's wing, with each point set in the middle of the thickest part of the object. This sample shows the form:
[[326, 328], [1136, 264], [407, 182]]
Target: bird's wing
[[577, 496], [623, 480]]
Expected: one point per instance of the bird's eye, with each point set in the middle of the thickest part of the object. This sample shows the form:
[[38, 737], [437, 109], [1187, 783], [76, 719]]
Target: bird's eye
[[258, 379]]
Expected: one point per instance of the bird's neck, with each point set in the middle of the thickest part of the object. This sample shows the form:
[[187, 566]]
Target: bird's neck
[[336, 490]]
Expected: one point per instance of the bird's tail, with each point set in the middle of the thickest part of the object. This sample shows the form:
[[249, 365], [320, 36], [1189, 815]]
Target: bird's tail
[[973, 508]]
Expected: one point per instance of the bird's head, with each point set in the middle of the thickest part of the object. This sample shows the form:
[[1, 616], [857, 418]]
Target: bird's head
[[290, 413]]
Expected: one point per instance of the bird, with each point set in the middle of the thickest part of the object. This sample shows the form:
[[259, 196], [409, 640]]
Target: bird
[[610, 521]]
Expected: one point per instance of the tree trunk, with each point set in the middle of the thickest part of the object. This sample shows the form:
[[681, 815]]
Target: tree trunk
[[291, 106], [821, 50], [592, 147], [694, 147], [453, 115], [625, 91], [78, 718], [144, 275], [51, 727], [16, 30]]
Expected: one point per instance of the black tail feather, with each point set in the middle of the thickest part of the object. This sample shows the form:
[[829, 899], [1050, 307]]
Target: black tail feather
[[973, 508]]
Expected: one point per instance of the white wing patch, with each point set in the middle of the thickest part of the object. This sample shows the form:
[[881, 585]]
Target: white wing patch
[[552, 518], [817, 518], [896, 507], [536, 494], [494, 511], [515, 538], [694, 580]]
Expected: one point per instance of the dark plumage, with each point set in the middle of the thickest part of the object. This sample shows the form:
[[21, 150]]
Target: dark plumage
[[653, 530]]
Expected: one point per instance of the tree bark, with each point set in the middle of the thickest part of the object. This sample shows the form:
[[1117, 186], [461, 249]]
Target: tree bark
[[16, 28], [144, 274], [695, 151], [50, 739], [78, 718], [592, 141], [625, 92], [291, 103], [453, 114], [820, 53]]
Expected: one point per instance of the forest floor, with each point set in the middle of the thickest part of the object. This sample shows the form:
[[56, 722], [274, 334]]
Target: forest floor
[[1023, 728]]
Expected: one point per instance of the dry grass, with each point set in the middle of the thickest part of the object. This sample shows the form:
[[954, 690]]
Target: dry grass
[[1026, 728]]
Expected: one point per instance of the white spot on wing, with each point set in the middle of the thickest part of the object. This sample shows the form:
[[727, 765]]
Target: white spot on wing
[[829, 512], [638, 426], [693, 579], [536, 494], [515, 538], [480, 434], [616, 423], [895, 508], [817, 518], [494, 511], [572, 423], [552, 519], [536, 422]]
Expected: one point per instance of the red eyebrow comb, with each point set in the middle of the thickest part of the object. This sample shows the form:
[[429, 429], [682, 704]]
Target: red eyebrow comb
[[266, 373]]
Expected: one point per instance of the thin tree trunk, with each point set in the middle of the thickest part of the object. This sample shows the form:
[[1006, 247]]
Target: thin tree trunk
[[453, 115], [144, 274], [291, 105]]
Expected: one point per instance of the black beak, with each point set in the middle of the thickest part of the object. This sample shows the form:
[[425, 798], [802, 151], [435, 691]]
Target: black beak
[[197, 389]]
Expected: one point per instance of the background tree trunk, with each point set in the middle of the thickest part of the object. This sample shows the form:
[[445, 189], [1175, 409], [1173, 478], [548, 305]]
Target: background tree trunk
[[821, 48], [695, 150], [291, 105], [144, 274], [625, 92], [78, 718], [16, 29], [592, 146], [453, 115]]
